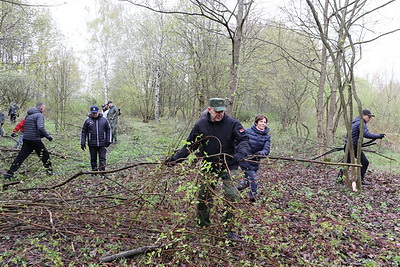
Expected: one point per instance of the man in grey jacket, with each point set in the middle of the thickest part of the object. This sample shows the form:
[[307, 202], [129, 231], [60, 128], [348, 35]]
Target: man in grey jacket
[[97, 131], [34, 131]]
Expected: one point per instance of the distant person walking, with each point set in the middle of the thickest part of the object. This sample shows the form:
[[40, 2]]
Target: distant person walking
[[34, 131], [2, 120], [96, 131], [260, 142], [112, 116], [13, 112], [19, 128], [355, 133]]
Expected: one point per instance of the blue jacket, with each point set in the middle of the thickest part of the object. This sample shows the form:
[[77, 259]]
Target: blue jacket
[[260, 142], [355, 131], [97, 131], [225, 136], [34, 126]]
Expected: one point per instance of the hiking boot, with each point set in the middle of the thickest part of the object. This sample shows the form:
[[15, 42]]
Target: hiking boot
[[363, 182], [234, 236], [253, 197], [9, 176], [50, 172], [243, 185]]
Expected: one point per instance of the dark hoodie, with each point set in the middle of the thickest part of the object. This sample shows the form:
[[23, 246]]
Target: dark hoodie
[[34, 126], [96, 130], [228, 132], [355, 131]]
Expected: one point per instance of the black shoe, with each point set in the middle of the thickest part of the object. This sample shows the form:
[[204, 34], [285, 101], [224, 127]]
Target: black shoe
[[339, 177], [233, 236], [9, 176], [50, 172], [363, 182], [242, 185]]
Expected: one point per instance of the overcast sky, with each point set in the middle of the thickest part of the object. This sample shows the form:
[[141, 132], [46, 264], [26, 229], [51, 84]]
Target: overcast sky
[[379, 56]]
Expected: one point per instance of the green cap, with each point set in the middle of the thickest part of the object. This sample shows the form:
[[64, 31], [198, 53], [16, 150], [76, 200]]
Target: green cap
[[218, 104]]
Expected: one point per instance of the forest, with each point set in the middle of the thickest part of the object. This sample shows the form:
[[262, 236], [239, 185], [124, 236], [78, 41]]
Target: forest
[[160, 62]]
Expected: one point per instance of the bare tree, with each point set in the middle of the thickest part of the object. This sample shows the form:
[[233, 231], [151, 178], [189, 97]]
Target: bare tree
[[344, 51], [219, 12]]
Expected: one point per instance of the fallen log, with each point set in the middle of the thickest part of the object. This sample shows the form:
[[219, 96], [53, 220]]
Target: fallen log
[[129, 253]]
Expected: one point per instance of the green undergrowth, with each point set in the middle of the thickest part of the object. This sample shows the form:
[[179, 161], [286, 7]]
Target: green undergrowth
[[301, 218]]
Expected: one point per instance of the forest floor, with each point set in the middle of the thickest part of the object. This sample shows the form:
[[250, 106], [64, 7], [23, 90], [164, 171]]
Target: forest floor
[[302, 217]]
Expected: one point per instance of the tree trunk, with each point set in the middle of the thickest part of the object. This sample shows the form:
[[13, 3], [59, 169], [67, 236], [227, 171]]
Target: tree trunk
[[321, 87], [236, 43]]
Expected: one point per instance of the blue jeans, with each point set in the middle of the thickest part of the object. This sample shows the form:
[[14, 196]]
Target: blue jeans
[[21, 137], [250, 178]]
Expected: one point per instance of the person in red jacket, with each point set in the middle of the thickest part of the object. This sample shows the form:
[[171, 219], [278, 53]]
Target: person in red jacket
[[19, 128]]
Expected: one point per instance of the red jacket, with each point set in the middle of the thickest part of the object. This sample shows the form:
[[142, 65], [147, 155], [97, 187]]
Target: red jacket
[[19, 126]]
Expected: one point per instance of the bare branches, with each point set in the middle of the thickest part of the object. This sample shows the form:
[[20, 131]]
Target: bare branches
[[29, 5]]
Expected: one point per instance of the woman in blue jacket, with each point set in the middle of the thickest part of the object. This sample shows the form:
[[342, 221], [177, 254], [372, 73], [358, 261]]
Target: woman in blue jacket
[[259, 141]]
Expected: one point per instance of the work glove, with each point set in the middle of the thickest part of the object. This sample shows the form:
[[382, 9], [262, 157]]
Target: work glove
[[258, 154], [236, 158], [83, 146], [170, 162], [50, 138], [13, 135], [381, 136], [108, 144]]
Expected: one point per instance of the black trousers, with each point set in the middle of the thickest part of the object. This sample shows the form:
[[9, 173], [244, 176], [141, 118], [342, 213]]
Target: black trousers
[[27, 147], [364, 162], [13, 118], [101, 152]]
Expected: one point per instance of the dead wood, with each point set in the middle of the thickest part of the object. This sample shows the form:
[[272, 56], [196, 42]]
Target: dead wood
[[86, 172], [129, 253]]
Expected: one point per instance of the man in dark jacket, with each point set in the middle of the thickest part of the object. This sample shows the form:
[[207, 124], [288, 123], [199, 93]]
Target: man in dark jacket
[[222, 142], [96, 129], [13, 112], [34, 131], [355, 133]]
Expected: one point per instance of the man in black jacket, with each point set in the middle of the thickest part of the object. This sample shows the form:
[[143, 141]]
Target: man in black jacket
[[96, 129], [13, 112], [355, 133], [34, 131], [222, 142]]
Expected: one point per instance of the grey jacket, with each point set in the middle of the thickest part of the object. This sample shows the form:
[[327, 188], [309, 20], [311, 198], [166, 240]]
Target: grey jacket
[[34, 126]]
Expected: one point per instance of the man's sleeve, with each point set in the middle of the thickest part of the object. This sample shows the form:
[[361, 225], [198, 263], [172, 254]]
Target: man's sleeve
[[368, 134], [40, 126], [242, 140], [83, 133], [190, 147]]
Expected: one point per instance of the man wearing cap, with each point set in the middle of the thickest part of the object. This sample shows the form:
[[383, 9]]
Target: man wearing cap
[[112, 116], [34, 131], [222, 142], [97, 131], [355, 133], [13, 112]]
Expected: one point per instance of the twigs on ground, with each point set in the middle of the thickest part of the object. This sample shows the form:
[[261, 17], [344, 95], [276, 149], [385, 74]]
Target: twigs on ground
[[129, 253]]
